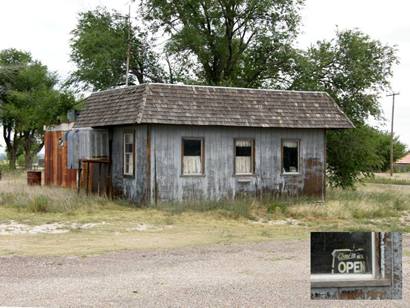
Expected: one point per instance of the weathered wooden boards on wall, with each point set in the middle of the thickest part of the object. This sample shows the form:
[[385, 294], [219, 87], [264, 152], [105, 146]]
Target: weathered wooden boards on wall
[[159, 162]]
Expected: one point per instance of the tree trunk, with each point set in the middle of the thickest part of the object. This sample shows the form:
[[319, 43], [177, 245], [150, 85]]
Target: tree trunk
[[28, 157], [11, 145], [12, 155], [28, 160]]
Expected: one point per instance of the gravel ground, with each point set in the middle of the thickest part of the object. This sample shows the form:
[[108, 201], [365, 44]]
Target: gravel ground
[[271, 274]]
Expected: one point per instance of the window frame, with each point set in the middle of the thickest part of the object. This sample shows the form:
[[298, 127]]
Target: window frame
[[253, 164], [350, 277], [202, 157], [283, 172], [132, 133]]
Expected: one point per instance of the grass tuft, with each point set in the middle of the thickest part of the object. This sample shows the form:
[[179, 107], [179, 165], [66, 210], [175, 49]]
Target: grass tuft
[[40, 204]]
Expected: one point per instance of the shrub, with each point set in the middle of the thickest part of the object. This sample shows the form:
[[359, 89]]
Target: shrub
[[39, 204]]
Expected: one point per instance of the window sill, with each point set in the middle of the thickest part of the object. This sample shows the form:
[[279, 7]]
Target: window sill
[[192, 175], [350, 283], [242, 175], [245, 180], [290, 173]]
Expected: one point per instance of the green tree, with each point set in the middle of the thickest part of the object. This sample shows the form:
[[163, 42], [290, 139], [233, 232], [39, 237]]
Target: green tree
[[11, 60], [99, 49], [233, 42], [29, 101], [355, 70], [383, 149]]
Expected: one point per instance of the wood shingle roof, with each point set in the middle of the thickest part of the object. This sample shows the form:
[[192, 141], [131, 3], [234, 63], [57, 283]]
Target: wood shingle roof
[[207, 105]]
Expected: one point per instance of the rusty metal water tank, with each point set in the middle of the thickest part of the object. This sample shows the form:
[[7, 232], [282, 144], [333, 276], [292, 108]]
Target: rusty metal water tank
[[34, 178]]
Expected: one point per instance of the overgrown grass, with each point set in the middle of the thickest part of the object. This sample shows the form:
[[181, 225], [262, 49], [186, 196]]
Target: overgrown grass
[[370, 207], [388, 181], [354, 208], [48, 203], [228, 208], [362, 204]]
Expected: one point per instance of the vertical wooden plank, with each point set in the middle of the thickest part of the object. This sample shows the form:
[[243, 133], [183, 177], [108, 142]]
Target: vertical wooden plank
[[80, 168], [64, 179], [87, 177], [47, 158], [324, 165], [148, 166], [99, 179], [55, 159]]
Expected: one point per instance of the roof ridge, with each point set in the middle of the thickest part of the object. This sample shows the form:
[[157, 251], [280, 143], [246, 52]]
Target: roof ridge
[[205, 86], [118, 88], [142, 107], [234, 88]]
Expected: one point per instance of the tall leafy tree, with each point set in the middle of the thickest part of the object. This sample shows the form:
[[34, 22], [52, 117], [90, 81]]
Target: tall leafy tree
[[355, 70], [11, 61], [383, 149], [247, 43], [234, 42], [29, 100], [99, 46]]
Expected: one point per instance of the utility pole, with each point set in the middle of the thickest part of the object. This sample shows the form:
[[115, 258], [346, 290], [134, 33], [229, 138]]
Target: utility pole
[[129, 46], [392, 132]]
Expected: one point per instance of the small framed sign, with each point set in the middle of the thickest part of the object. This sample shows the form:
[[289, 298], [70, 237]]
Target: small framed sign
[[349, 261], [342, 253]]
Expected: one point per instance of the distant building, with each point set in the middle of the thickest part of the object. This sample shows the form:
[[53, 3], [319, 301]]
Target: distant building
[[403, 164]]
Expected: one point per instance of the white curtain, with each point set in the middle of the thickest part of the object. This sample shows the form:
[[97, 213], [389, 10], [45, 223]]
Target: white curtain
[[243, 143], [243, 165], [192, 165], [290, 144]]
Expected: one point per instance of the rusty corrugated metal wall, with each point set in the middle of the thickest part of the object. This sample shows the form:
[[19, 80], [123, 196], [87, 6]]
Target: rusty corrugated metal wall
[[55, 161]]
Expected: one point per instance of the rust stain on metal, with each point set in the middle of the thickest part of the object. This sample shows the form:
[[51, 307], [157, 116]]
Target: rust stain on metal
[[351, 294], [375, 295], [55, 161], [313, 180], [34, 178]]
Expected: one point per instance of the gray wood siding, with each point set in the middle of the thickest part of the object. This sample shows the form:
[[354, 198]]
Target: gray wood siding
[[219, 181], [130, 187]]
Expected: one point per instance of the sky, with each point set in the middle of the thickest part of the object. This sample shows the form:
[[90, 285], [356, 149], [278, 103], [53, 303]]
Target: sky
[[43, 28]]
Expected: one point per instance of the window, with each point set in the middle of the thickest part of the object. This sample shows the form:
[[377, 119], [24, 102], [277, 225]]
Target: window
[[192, 156], [129, 153], [342, 255], [244, 156], [290, 156]]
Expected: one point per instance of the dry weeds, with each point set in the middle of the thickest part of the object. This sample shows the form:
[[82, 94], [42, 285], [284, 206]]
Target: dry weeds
[[372, 207]]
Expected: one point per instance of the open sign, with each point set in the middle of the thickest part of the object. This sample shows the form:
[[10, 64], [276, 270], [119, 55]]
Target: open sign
[[348, 261]]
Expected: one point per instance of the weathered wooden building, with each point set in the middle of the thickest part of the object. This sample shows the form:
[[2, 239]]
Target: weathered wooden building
[[177, 142]]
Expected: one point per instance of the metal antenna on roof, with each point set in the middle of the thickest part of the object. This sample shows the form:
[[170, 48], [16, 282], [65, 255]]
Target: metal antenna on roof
[[129, 45], [392, 132]]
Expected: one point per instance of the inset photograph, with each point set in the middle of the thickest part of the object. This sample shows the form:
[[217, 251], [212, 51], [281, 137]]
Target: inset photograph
[[356, 265]]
